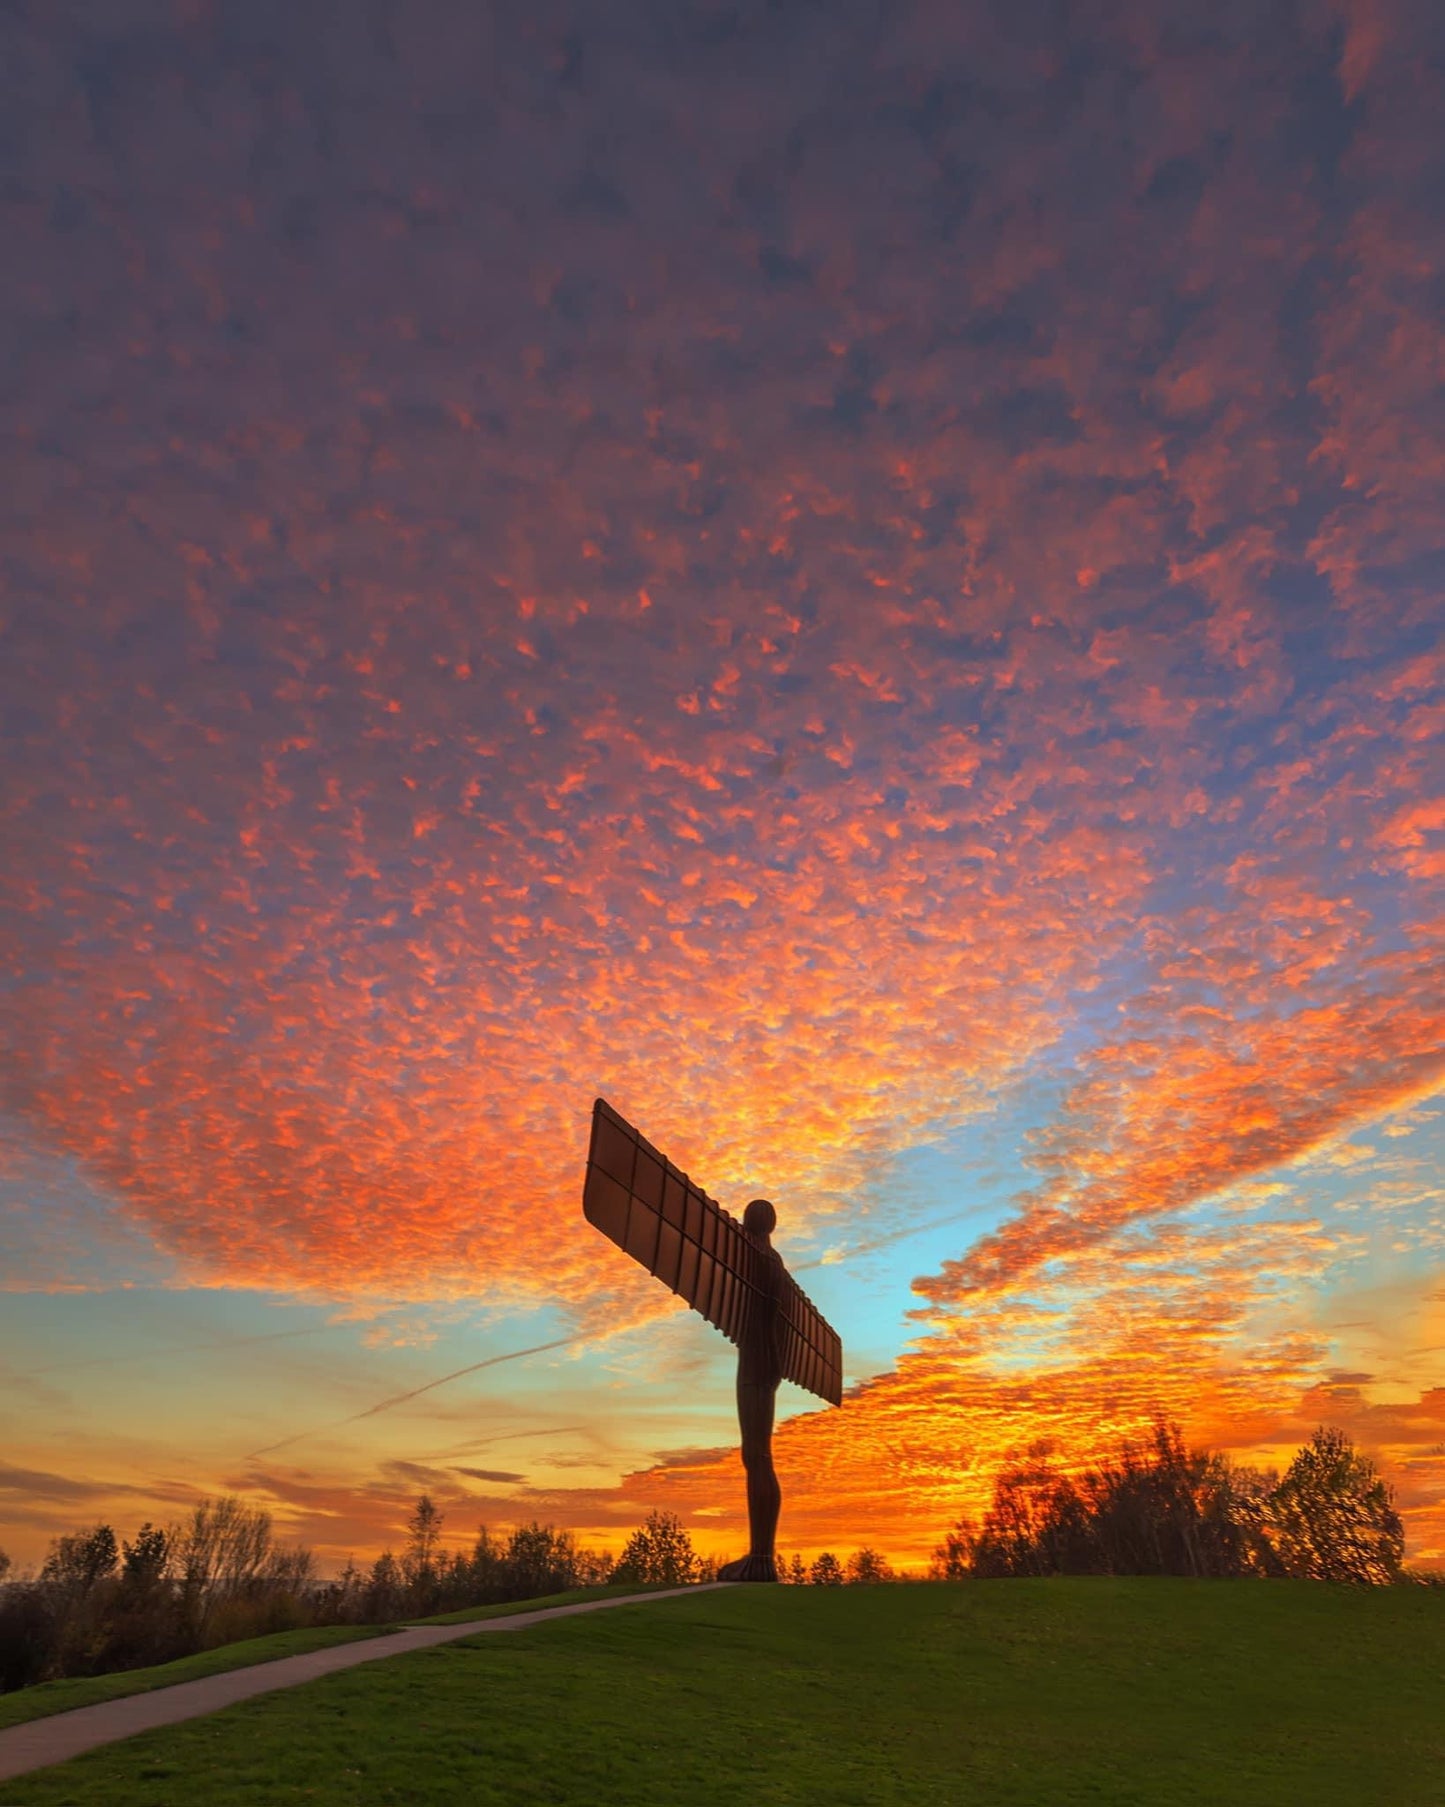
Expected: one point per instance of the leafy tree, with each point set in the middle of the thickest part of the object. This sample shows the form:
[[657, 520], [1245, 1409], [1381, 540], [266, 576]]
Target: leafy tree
[[1333, 1518], [539, 1560], [595, 1568], [796, 1574], [1248, 1506], [659, 1552], [79, 1561], [826, 1571], [866, 1567], [384, 1587], [145, 1559], [487, 1563], [4, 1565]]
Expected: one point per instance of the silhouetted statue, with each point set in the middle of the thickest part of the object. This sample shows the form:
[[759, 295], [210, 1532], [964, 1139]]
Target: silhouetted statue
[[760, 1368], [732, 1274]]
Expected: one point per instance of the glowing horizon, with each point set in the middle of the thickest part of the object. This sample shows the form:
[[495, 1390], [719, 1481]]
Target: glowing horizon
[[876, 601]]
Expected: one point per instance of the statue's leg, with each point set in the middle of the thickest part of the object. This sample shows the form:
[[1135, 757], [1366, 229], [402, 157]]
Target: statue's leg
[[765, 1496]]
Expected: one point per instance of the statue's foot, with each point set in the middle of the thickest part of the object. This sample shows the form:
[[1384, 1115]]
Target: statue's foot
[[749, 1568]]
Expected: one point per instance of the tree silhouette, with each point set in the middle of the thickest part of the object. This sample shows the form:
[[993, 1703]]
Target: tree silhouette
[[539, 1560], [221, 1554], [384, 1587], [79, 1561], [146, 1559], [1333, 1518], [1160, 1508], [866, 1567], [1017, 1529], [660, 1552], [423, 1536], [826, 1571], [953, 1559]]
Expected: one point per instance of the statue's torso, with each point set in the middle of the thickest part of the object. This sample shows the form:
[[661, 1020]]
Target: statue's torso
[[759, 1361]]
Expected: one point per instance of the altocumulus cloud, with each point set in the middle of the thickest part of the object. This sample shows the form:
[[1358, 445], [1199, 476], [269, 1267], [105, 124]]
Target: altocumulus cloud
[[828, 571]]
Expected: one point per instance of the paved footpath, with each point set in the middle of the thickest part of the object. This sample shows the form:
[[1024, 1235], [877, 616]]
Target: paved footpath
[[40, 1742]]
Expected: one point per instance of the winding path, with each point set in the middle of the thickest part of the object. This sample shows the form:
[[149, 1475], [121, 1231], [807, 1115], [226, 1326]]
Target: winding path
[[41, 1742]]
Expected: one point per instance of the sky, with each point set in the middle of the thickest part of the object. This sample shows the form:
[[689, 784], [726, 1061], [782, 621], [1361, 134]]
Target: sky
[[863, 581]]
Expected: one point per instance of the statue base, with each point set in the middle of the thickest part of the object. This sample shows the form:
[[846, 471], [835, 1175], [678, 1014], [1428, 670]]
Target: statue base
[[749, 1568]]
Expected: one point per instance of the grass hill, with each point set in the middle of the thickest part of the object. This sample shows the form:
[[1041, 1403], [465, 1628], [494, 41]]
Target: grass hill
[[1153, 1692]]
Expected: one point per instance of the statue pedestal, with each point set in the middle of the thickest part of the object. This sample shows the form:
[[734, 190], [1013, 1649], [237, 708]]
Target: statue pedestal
[[749, 1568]]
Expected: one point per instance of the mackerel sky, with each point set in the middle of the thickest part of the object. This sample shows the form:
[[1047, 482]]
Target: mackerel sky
[[863, 580]]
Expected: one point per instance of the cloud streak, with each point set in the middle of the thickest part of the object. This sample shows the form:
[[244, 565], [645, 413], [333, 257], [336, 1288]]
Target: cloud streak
[[400, 1399]]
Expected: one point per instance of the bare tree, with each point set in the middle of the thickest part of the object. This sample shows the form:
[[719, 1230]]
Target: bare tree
[[220, 1554], [1014, 1537], [953, 1559]]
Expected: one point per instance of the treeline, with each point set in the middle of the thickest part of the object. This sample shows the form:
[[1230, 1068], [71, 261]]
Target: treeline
[[864, 1568], [99, 1604], [1162, 1509]]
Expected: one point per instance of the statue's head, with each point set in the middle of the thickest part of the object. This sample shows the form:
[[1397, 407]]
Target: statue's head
[[760, 1219]]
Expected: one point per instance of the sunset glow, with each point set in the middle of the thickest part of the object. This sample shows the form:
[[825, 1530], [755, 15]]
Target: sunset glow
[[869, 588]]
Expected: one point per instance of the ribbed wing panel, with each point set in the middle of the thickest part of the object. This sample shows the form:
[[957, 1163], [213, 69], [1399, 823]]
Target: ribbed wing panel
[[813, 1353], [654, 1212]]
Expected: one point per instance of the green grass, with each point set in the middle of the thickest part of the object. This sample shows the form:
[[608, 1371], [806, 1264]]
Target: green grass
[[465, 1614], [1127, 1692], [45, 1698]]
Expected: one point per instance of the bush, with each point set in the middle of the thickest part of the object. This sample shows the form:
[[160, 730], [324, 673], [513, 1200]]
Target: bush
[[28, 1613], [221, 1577]]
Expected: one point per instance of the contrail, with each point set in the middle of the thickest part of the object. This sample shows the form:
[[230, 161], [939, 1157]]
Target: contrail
[[562, 1342], [882, 1242], [385, 1405], [490, 1362]]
